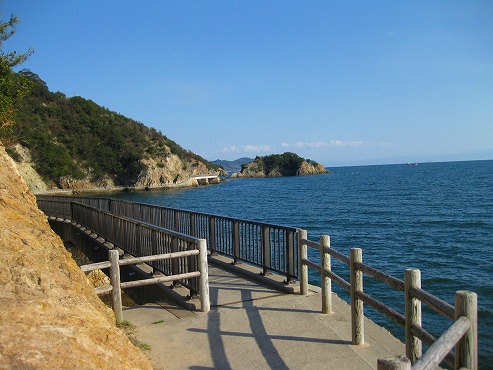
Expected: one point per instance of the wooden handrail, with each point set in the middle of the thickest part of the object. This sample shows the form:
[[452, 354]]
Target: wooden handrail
[[381, 276], [440, 349], [225, 236], [161, 279], [96, 266], [443, 345], [116, 285], [164, 256], [443, 308]]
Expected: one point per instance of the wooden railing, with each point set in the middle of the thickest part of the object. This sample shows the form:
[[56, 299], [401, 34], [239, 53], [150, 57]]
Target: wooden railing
[[270, 247], [462, 334], [134, 237], [116, 285], [276, 248]]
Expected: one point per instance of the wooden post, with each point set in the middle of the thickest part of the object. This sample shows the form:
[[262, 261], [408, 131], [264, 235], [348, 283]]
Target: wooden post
[[193, 264], [412, 279], [116, 293], [398, 363], [325, 281], [204, 277], [357, 317], [466, 351], [303, 255]]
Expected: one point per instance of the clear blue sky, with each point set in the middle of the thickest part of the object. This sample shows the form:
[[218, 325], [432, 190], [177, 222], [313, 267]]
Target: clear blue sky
[[340, 82]]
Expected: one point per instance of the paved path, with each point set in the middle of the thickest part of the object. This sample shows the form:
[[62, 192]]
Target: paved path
[[255, 327]]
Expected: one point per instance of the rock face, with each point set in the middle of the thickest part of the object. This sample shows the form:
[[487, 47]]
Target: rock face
[[50, 317], [287, 164], [172, 171], [159, 172], [25, 167], [310, 169]]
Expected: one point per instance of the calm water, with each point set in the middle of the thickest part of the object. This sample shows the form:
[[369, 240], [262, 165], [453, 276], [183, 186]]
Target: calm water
[[437, 217]]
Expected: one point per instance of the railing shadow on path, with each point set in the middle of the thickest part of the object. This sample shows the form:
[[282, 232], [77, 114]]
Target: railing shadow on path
[[258, 331]]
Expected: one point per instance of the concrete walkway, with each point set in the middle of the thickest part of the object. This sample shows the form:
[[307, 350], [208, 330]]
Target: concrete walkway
[[255, 327]]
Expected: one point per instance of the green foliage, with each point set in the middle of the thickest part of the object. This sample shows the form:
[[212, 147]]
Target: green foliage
[[129, 329], [13, 154], [55, 161], [287, 163], [66, 135], [77, 137], [13, 87], [11, 58]]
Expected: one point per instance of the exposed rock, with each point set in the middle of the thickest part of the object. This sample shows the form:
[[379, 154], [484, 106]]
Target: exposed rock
[[310, 169], [50, 317], [172, 171], [160, 172], [25, 167], [66, 182], [287, 164]]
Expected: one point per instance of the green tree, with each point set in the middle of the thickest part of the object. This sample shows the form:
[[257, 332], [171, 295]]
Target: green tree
[[13, 86]]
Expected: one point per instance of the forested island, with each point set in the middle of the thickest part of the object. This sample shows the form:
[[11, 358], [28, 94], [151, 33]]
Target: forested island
[[275, 165]]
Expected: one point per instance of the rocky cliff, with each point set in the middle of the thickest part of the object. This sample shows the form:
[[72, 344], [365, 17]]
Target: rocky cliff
[[287, 164], [50, 317], [172, 171]]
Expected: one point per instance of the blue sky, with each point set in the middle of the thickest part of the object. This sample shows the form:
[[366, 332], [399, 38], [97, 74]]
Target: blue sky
[[340, 82]]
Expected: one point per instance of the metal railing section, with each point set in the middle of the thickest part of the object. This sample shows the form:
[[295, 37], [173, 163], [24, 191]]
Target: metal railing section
[[270, 247], [134, 237]]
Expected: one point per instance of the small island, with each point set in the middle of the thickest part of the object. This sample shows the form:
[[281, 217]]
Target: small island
[[276, 165]]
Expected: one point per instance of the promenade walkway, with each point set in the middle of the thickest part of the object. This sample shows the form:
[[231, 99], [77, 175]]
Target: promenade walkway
[[252, 326]]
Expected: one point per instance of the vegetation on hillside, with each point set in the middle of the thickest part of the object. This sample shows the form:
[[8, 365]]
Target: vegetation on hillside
[[13, 87], [76, 137]]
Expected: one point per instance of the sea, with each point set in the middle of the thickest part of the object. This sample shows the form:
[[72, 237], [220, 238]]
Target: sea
[[437, 217]]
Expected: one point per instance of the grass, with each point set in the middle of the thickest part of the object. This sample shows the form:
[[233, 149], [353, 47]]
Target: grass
[[129, 330]]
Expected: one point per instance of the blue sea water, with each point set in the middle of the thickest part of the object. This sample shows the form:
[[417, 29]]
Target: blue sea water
[[437, 217]]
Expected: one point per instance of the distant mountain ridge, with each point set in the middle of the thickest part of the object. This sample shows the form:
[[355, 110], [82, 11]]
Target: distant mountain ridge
[[233, 166]]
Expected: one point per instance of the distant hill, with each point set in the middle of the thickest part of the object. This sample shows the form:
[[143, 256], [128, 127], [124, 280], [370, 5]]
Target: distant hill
[[233, 166], [75, 143], [286, 164]]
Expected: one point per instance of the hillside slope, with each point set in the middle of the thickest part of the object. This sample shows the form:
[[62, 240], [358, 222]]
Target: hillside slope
[[75, 143]]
